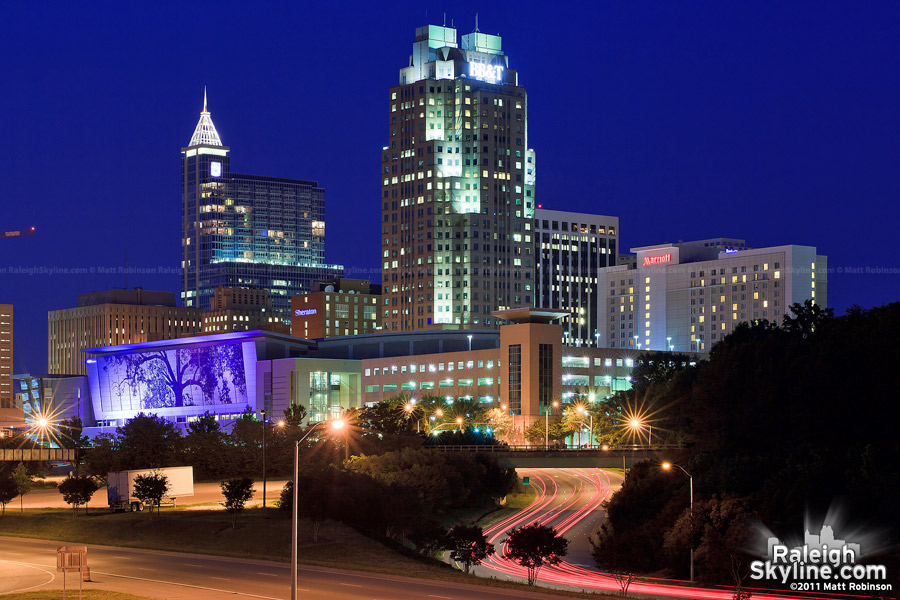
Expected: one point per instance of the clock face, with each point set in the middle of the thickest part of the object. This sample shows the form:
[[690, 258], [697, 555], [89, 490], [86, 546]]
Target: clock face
[[215, 169]]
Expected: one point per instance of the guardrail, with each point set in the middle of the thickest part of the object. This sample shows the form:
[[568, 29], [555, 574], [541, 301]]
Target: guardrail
[[554, 448], [37, 454]]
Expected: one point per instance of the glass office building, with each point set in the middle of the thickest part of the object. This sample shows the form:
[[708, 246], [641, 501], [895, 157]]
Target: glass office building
[[243, 230]]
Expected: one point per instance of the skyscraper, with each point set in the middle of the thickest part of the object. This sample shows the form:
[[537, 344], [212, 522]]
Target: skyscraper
[[569, 248], [247, 230], [457, 186]]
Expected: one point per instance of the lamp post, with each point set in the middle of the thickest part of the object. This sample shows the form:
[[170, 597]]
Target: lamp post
[[470, 342], [597, 339], [263, 414], [667, 466], [669, 342], [335, 425], [547, 424], [582, 411]]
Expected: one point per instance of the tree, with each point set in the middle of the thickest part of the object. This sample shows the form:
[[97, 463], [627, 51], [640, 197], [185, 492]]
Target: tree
[[294, 415], [468, 545], [151, 488], [69, 435], [237, 493], [615, 555], [149, 441], [534, 546], [103, 455], [205, 447], [78, 490], [23, 481], [8, 491], [807, 318]]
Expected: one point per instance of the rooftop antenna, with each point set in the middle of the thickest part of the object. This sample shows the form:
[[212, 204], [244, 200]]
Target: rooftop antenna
[[204, 99], [476, 22], [445, 19]]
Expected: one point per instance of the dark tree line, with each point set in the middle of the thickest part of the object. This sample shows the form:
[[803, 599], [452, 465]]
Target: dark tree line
[[781, 421]]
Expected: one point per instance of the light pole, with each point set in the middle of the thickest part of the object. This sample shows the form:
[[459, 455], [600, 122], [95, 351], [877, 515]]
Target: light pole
[[597, 339], [582, 411], [669, 343], [470, 342], [335, 425], [667, 466], [263, 414], [547, 424]]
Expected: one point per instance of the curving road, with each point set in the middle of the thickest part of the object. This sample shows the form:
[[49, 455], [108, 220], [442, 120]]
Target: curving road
[[570, 500]]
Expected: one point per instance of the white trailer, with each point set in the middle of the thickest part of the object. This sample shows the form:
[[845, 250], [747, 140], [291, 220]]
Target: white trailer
[[120, 487]]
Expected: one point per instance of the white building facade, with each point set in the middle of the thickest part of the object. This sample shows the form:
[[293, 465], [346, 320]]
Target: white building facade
[[687, 296]]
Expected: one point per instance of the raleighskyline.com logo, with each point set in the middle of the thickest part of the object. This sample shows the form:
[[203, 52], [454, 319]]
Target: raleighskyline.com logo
[[822, 563]]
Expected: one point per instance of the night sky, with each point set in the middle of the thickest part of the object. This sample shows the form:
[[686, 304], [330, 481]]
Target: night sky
[[774, 122]]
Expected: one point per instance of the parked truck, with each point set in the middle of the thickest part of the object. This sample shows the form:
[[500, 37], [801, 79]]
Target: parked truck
[[120, 487]]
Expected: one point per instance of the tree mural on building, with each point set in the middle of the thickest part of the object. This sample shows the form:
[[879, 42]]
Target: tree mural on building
[[182, 377]]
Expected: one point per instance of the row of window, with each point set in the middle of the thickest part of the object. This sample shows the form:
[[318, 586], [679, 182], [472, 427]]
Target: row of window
[[430, 385], [432, 368]]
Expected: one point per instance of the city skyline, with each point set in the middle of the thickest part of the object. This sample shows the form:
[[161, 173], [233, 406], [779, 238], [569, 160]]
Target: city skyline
[[686, 123]]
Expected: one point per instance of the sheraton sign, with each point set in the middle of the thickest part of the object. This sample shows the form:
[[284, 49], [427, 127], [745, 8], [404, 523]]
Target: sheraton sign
[[657, 260]]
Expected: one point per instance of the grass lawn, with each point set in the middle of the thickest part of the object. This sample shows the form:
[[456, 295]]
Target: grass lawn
[[86, 595], [261, 534]]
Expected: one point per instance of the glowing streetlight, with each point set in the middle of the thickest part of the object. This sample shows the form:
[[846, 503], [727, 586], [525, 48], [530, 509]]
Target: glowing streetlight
[[667, 466], [335, 425], [459, 421], [547, 424], [470, 342]]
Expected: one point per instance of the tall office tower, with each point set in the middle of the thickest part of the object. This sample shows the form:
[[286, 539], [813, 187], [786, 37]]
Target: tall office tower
[[114, 317], [569, 249], [247, 230], [457, 186], [688, 296], [6, 356]]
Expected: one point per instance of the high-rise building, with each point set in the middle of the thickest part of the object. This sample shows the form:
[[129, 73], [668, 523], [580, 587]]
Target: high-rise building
[[457, 186], [114, 317], [569, 249], [688, 296], [247, 230], [6, 356]]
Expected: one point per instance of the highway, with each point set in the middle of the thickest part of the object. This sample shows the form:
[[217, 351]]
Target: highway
[[31, 565], [570, 500]]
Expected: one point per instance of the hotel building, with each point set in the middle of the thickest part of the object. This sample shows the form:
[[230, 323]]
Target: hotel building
[[114, 317], [687, 296], [247, 230], [340, 307], [569, 249], [457, 186]]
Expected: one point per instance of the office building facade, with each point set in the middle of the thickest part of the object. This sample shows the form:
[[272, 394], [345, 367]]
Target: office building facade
[[688, 296], [247, 230], [569, 249], [457, 186], [114, 317], [242, 309], [7, 395]]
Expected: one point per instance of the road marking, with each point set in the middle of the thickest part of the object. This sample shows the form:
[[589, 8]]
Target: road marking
[[190, 565], [351, 585], [188, 585], [219, 578], [51, 574], [145, 569], [123, 557], [269, 574]]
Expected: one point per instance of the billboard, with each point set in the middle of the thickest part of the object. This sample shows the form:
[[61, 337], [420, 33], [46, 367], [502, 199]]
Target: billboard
[[192, 376]]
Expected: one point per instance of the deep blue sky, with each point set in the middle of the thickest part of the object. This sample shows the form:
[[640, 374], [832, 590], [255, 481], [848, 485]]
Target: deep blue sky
[[775, 122]]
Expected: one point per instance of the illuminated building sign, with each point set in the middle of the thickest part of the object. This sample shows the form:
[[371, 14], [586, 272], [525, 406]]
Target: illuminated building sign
[[485, 72], [302, 313], [657, 260], [215, 169]]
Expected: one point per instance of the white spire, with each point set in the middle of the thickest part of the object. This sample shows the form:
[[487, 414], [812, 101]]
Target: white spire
[[205, 133]]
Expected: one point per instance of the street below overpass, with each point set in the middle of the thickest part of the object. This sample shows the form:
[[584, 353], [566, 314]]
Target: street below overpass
[[571, 501]]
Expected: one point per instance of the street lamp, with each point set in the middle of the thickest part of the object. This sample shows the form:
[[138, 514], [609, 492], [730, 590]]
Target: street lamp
[[667, 466], [636, 424], [669, 342], [547, 424], [335, 425], [597, 339], [263, 414], [459, 421], [582, 410], [470, 342]]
